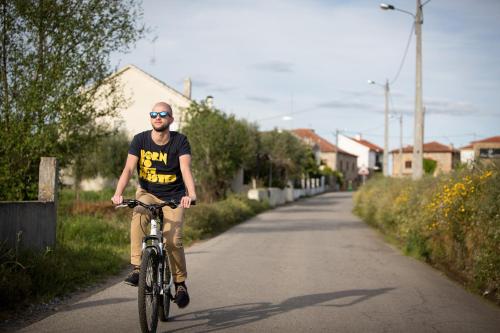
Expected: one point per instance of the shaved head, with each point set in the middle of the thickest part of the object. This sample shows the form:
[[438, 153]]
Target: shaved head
[[162, 106], [159, 123]]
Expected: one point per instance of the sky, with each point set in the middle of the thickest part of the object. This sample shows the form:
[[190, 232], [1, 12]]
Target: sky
[[305, 64]]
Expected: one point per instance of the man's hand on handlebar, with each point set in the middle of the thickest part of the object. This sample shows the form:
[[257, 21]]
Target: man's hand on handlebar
[[186, 201], [117, 199]]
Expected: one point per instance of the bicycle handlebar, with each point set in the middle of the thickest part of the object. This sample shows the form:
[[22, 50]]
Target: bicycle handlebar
[[131, 203]]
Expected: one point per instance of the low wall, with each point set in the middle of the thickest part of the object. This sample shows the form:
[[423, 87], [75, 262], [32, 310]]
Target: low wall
[[28, 224], [32, 224], [277, 196]]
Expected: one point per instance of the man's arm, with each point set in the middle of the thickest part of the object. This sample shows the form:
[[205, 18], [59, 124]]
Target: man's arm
[[127, 172], [187, 176]]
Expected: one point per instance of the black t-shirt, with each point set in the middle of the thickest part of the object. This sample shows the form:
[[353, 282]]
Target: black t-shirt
[[158, 168]]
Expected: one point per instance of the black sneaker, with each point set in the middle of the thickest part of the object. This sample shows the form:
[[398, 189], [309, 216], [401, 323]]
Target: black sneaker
[[133, 278], [181, 295]]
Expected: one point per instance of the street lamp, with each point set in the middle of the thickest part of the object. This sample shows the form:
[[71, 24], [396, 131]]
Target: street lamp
[[386, 125], [419, 113]]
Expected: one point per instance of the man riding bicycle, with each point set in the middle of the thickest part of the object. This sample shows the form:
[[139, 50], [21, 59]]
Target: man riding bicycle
[[163, 162]]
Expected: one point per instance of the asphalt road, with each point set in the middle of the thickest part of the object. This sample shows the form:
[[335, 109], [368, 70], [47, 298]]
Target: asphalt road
[[310, 266]]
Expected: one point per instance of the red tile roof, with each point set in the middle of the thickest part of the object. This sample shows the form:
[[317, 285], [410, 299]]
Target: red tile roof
[[493, 139], [368, 144], [468, 147], [324, 145], [430, 147]]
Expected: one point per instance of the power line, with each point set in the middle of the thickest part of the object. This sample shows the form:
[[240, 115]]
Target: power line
[[405, 54]]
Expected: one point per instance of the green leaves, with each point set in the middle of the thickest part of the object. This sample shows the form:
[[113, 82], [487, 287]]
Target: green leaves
[[221, 145], [54, 59]]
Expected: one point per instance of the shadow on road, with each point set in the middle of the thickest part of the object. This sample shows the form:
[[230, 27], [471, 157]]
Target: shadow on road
[[98, 303], [242, 314]]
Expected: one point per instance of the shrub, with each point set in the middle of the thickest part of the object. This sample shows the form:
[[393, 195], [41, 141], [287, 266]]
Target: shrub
[[452, 221]]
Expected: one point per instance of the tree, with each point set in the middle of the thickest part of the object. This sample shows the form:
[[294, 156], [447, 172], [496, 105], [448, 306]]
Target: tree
[[54, 59], [220, 145], [285, 158]]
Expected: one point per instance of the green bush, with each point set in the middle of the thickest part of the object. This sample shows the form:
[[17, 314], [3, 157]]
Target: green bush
[[206, 220], [452, 221]]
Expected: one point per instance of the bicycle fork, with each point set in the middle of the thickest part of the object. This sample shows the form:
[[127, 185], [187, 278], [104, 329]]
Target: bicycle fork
[[157, 244]]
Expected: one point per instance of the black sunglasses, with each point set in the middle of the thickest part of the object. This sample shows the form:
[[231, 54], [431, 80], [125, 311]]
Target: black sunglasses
[[163, 114]]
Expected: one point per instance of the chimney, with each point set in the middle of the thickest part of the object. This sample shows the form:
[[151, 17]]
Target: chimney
[[209, 100], [358, 137], [187, 87]]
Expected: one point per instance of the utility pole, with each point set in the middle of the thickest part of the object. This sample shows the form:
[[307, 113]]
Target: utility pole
[[417, 164], [401, 145], [386, 130], [337, 149], [418, 144]]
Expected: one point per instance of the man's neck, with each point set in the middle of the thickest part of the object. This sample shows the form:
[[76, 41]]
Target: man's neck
[[160, 138]]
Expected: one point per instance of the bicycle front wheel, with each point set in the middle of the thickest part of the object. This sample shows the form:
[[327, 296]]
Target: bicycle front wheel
[[149, 291], [164, 300]]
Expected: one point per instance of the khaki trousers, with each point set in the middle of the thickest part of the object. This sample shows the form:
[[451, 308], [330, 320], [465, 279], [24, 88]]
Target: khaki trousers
[[172, 233]]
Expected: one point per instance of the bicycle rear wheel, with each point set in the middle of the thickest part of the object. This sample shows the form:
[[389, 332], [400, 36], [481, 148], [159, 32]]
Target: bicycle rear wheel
[[164, 300], [148, 291]]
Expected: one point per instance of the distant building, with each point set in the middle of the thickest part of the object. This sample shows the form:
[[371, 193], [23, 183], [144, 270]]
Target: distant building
[[369, 154], [330, 155], [446, 157], [483, 150]]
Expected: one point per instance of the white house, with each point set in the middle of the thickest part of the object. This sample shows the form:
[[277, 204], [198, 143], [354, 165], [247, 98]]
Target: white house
[[369, 154], [141, 91]]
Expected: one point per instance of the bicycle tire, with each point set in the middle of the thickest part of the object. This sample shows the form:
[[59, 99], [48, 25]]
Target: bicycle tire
[[148, 291], [165, 299]]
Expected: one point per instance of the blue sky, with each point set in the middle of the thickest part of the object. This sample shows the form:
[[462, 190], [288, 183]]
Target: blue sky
[[291, 64]]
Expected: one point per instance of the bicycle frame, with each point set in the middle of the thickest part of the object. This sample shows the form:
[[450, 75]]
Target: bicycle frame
[[157, 243]]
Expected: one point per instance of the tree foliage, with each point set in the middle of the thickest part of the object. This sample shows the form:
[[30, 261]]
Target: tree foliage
[[220, 145], [106, 158], [54, 57], [429, 166], [284, 158]]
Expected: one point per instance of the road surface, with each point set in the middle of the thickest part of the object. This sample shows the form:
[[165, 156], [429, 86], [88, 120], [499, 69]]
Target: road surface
[[310, 266]]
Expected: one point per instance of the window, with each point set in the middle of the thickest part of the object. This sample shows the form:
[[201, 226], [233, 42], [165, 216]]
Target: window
[[489, 153], [408, 164]]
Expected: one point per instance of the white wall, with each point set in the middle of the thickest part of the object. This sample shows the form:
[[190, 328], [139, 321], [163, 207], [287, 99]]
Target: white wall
[[355, 148], [466, 156]]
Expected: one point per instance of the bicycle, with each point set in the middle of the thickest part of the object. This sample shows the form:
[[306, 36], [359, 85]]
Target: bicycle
[[155, 276]]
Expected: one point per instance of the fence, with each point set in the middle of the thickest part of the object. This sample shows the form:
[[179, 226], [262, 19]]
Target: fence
[[276, 196]]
